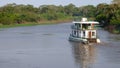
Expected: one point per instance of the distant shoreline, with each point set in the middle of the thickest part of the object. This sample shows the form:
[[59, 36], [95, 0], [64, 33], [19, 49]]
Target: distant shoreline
[[35, 23]]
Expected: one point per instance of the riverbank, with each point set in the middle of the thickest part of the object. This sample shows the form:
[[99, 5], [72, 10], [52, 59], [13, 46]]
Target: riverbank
[[35, 23], [114, 29]]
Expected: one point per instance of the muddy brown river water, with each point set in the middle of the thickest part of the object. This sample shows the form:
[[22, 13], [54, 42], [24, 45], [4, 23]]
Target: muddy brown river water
[[47, 46]]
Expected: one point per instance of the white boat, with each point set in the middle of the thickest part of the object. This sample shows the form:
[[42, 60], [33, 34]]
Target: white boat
[[84, 31]]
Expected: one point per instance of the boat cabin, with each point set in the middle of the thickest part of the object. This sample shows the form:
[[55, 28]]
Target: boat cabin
[[85, 30]]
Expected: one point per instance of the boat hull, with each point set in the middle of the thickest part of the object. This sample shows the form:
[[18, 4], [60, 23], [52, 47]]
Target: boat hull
[[85, 41], [77, 39]]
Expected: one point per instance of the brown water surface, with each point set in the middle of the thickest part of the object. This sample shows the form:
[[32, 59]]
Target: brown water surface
[[47, 46]]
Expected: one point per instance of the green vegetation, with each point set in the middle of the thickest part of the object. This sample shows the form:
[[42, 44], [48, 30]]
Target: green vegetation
[[13, 14], [107, 14]]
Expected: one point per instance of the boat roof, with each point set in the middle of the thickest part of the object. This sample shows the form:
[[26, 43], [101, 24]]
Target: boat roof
[[86, 22]]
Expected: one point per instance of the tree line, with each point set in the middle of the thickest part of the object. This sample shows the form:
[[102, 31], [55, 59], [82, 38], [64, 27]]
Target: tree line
[[107, 14], [17, 14]]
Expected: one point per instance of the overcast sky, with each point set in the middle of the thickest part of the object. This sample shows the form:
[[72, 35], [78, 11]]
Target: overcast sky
[[37, 3]]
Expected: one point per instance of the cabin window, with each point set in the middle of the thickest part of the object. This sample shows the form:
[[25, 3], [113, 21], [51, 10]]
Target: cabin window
[[75, 24], [83, 33], [79, 25], [89, 26], [84, 26], [93, 33], [74, 32]]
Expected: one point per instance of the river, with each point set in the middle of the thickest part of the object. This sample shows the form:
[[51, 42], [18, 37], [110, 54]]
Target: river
[[47, 46]]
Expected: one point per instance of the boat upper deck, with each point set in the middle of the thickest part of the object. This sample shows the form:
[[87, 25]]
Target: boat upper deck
[[86, 22]]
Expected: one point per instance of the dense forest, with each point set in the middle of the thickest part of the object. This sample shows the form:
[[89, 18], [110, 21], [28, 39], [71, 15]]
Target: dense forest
[[107, 14], [18, 14]]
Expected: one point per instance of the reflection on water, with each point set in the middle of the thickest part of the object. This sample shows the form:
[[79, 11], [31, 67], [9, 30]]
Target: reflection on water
[[84, 54]]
